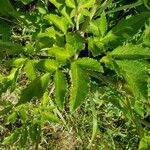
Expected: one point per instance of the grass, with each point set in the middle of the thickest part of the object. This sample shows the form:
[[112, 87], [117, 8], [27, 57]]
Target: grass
[[113, 132]]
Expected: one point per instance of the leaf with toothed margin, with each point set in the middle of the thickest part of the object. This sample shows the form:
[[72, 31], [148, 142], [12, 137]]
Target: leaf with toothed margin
[[76, 41], [88, 3], [80, 87], [48, 65], [131, 52], [63, 9], [136, 75], [123, 31], [59, 22], [89, 64], [30, 69], [60, 88], [35, 89]]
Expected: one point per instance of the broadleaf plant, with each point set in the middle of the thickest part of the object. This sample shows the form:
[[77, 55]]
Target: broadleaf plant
[[66, 51]]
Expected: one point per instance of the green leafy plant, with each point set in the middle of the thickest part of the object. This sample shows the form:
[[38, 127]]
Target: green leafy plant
[[72, 46]]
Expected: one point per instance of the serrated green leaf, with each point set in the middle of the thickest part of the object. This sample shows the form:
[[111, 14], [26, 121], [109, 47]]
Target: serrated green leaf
[[98, 27], [123, 31], [75, 40], [61, 6], [146, 37], [44, 42], [60, 53], [60, 88], [102, 24], [128, 27], [89, 64], [9, 81], [48, 65], [49, 32], [30, 70], [93, 28], [57, 4], [85, 12], [88, 3], [139, 108], [135, 74], [96, 46], [35, 89], [131, 52], [59, 22], [110, 63], [60, 41], [80, 87]]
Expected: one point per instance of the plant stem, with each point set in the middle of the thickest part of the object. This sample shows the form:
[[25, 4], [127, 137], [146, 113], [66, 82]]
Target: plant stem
[[78, 15]]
